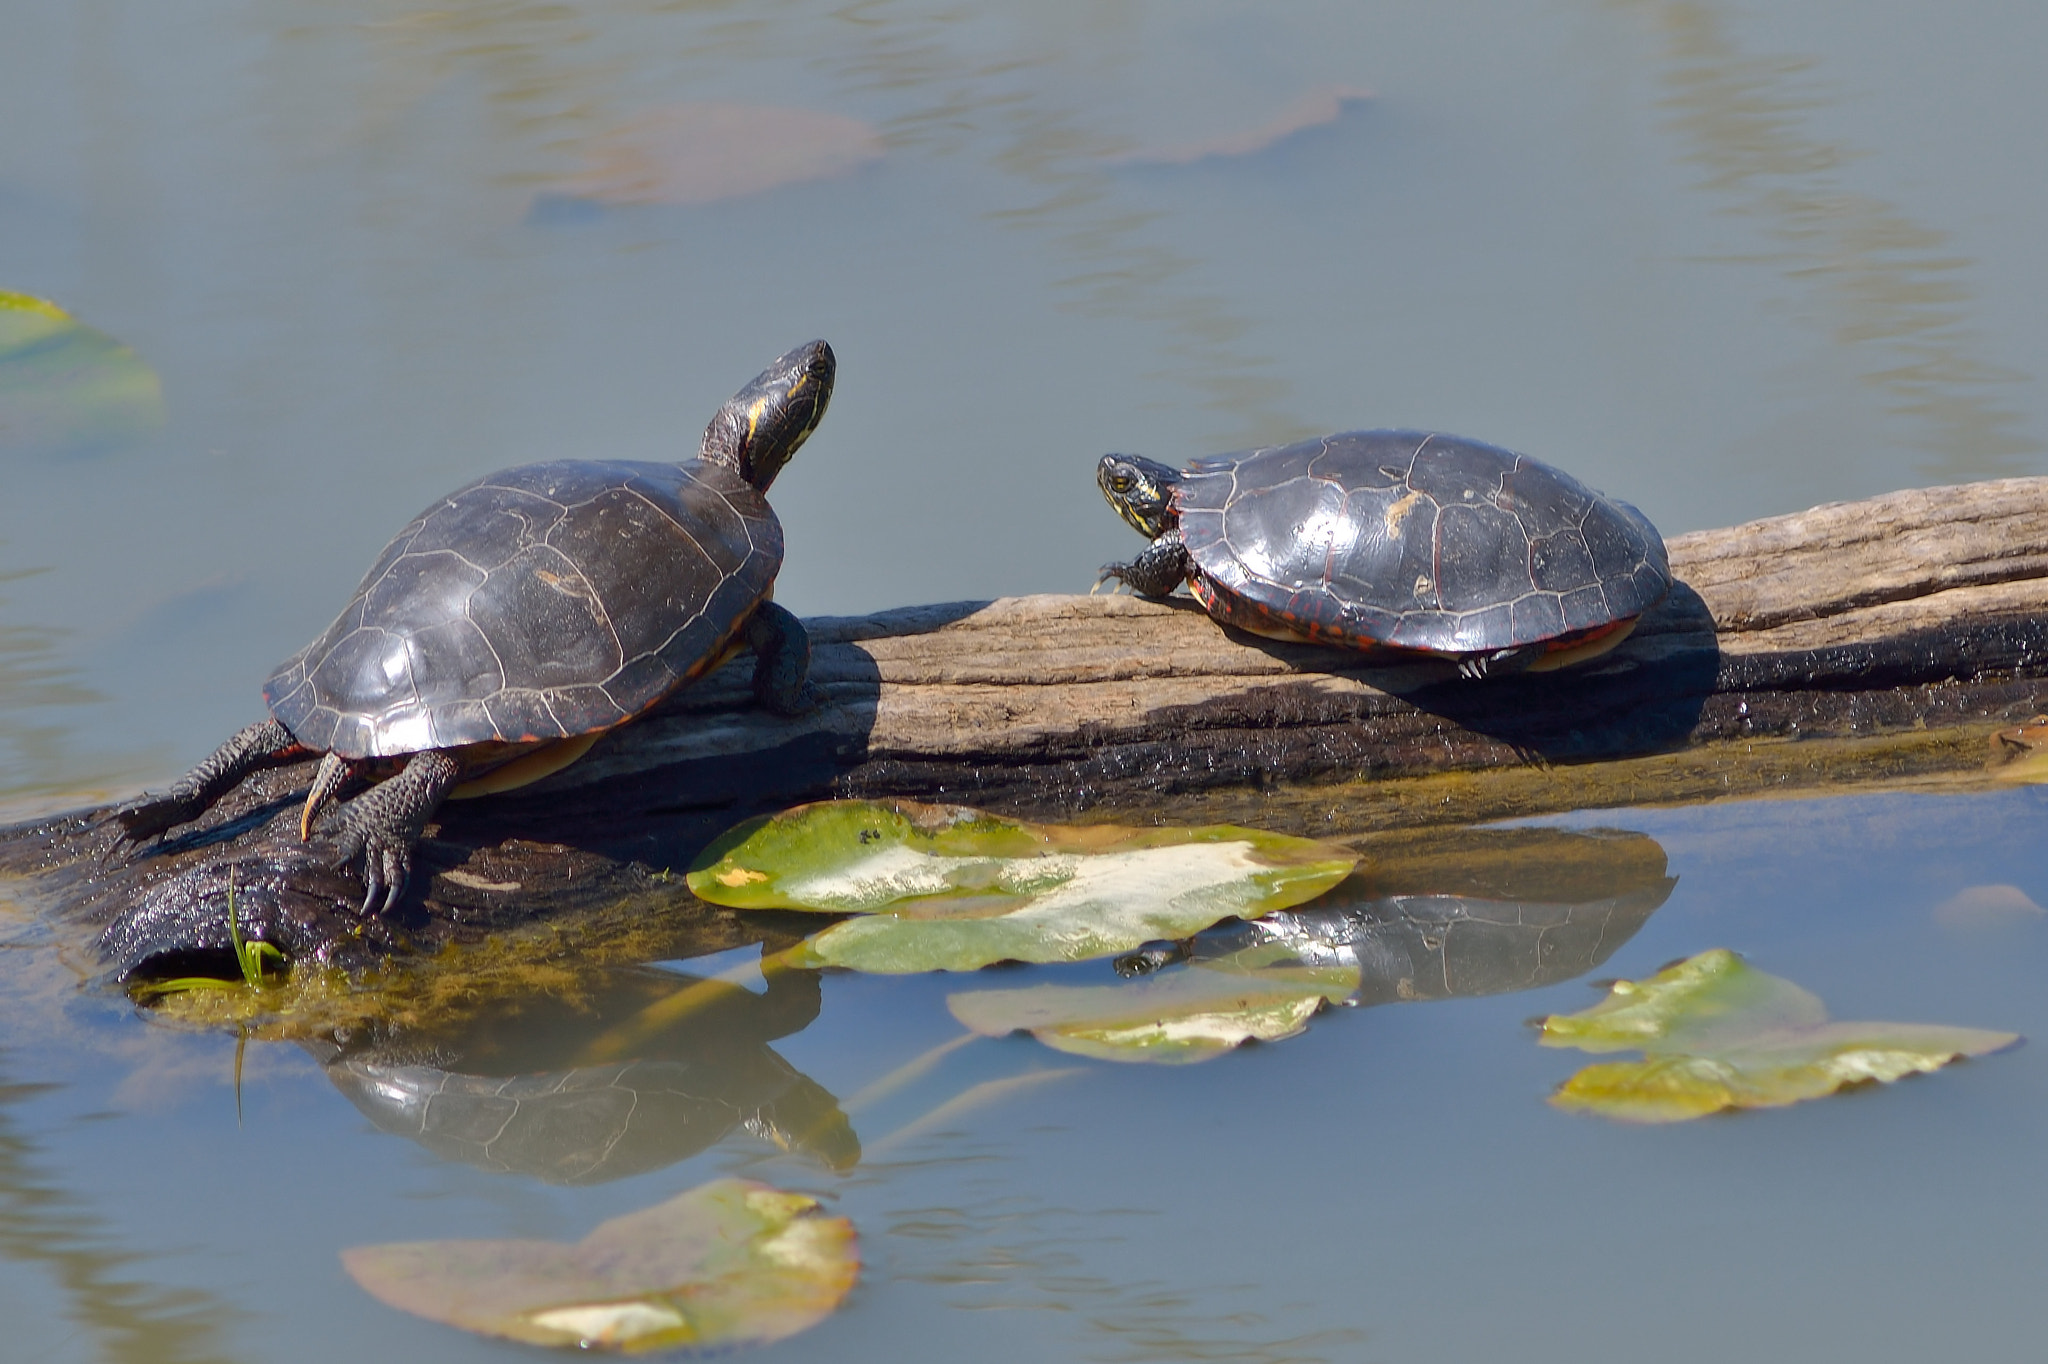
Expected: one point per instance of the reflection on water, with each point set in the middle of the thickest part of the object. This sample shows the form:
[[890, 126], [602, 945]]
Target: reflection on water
[[48, 1227], [1892, 287], [1473, 912], [631, 1070], [558, 80], [1064, 190], [1018, 1252], [1317, 1199], [516, 1090], [36, 689]]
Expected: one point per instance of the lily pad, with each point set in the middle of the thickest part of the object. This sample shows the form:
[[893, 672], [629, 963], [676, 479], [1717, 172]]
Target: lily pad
[[946, 888], [66, 386], [728, 1263], [1180, 1016], [1718, 1034]]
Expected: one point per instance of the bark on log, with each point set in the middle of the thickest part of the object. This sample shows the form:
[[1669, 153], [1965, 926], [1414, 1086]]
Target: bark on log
[[1898, 632]]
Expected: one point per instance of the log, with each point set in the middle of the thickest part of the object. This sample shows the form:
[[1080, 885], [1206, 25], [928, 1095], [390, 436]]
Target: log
[[1856, 641]]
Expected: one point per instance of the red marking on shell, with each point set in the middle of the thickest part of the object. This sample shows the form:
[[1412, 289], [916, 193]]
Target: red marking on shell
[[1577, 638]]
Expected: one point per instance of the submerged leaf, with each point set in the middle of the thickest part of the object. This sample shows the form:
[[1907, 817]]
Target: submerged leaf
[[696, 153], [1320, 106], [945, 888], [1996, 906], [65, 385], [1717, 1034], [1185, 1015], [728, 1263]]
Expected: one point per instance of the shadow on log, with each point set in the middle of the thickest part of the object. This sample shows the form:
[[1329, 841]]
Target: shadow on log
[[1883, 638]]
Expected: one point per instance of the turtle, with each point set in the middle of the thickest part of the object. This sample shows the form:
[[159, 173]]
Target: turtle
[[1405, 545], [518, 618]]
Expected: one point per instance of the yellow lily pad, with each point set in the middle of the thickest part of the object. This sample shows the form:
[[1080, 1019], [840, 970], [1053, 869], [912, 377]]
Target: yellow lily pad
[[1179, 1016], [67, 386], [1718, 1034], [725, 1264], [946, 888]]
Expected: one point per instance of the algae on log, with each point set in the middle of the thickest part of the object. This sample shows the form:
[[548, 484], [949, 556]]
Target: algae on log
[[1882, 638]]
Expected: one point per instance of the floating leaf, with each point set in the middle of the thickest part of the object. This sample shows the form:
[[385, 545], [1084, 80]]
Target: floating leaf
[[1179, 1016], [945, 888], [728, 1263], [65, 385], [699, 152], [1719, 1034]]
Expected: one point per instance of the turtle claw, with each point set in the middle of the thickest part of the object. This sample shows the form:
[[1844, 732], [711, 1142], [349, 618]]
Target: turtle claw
[[1476, 666], [387, 866], [329, 779], [391, 870]]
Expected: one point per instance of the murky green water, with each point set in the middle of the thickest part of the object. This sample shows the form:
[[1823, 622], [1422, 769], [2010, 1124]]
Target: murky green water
[[1723, 260]]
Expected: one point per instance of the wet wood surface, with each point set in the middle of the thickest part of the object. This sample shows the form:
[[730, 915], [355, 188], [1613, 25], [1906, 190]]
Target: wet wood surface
[[1860, 641]]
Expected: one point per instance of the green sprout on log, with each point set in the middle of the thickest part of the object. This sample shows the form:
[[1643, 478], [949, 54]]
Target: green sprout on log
[[250, 956]]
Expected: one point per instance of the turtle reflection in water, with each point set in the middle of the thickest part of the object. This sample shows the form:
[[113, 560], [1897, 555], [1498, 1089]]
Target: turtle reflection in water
[[518, 618], [516, 1091], [1403, 545], [1473, 912]]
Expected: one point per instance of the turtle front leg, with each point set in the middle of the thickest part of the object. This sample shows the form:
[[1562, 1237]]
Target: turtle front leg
[[1157, 572], [383, 823], [252, 749], [782, 661]]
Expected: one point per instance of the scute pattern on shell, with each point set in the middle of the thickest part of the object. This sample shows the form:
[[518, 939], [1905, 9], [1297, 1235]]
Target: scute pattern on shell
[[538, 602], [1414, 539]]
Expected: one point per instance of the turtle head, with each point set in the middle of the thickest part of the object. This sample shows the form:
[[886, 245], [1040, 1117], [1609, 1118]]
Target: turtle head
[[762, 425], [1141, 490]]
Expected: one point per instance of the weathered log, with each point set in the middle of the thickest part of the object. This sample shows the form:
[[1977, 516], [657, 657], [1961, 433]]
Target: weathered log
[[1908, 627]]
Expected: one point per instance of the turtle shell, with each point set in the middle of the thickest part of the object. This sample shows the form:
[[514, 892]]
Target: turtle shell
[[1416, 540], [537, 603]]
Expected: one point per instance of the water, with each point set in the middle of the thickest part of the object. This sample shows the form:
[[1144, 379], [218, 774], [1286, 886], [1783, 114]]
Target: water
[[1723, 260]]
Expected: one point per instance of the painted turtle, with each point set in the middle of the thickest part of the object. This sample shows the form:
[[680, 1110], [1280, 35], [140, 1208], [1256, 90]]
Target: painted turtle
[[518, 618], [1403, 544]]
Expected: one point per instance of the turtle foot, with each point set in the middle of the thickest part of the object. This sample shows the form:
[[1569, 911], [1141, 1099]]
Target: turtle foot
[[1121, 578], [805, 700], [381, 825], [1158, 572], [147, 817], [1498, 663], [387, 864], [782, 661]]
